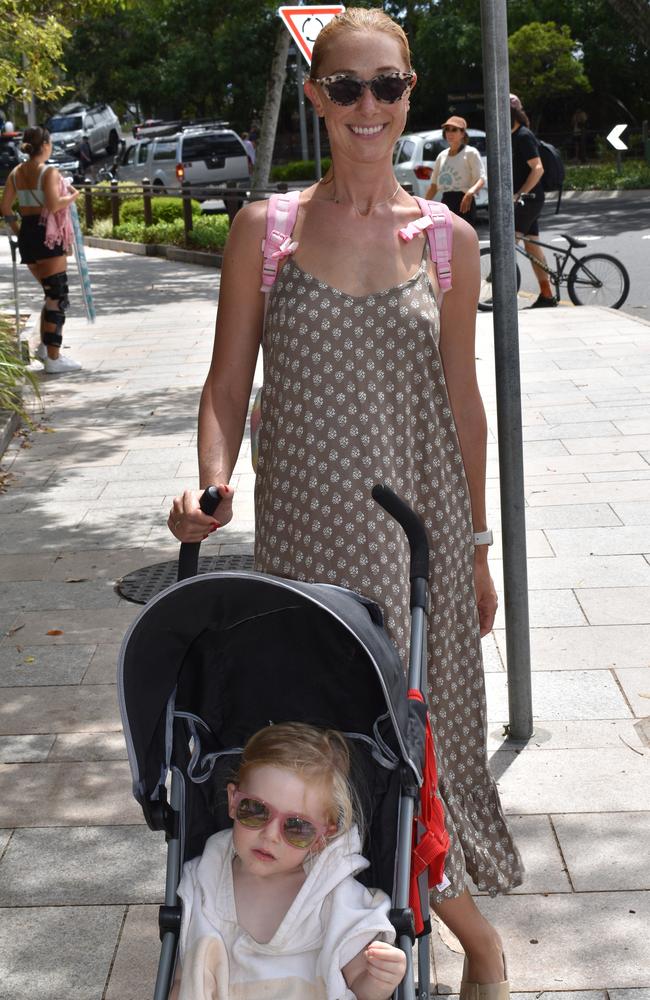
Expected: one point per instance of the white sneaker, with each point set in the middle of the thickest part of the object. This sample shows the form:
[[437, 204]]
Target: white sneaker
[[41, 352], [60, 365]]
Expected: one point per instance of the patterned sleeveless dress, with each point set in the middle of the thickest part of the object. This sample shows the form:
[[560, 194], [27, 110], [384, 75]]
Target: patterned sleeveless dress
[[354, 394]]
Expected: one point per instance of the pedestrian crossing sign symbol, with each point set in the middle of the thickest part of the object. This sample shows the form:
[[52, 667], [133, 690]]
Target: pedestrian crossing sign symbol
[[304, 23]]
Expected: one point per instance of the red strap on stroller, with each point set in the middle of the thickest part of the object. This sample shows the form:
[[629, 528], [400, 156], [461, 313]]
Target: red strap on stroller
[[429, 849]]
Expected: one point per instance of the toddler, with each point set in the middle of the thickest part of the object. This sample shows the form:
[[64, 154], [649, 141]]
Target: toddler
[[272, 908]]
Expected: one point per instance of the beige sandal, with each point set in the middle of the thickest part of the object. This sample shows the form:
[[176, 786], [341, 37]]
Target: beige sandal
[[484, 991]]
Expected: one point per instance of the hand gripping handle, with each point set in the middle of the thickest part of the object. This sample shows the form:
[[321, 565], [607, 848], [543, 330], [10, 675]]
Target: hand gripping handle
[[412, 525], [188, 557]]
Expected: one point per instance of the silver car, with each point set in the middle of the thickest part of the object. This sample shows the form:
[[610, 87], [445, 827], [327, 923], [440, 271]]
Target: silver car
[[74, 121], [196, 154], [416, 152]]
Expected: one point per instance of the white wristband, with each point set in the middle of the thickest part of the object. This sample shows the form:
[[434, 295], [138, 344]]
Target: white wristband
[[483, 537]]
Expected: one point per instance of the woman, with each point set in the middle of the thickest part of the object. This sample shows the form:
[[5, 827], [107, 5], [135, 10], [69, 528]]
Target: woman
[[367, 379], [36, 186], [458, 171], [528, 196]]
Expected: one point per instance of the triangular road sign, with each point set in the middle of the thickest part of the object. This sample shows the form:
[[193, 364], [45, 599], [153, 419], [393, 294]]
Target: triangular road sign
[[304, 23]]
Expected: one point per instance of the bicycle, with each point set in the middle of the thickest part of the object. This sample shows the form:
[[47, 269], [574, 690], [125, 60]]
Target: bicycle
[[597, 279]]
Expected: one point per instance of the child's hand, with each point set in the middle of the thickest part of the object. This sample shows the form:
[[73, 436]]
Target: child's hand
[[386, 964]]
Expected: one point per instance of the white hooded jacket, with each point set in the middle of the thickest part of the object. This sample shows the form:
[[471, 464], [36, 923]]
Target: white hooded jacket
[[332, 918]]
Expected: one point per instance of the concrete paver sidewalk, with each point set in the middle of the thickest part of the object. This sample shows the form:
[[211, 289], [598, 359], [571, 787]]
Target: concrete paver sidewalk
[[86, 502]]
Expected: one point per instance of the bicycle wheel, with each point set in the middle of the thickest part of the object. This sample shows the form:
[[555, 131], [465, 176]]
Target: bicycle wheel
[[485, 291], [598, 280]]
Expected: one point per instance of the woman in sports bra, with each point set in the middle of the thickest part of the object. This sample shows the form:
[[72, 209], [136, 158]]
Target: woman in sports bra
[[36, 186], [369, 376]]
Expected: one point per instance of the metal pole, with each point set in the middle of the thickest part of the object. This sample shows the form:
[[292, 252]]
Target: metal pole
[[304, 147], [13, 243], [496, 85], [317, 163]]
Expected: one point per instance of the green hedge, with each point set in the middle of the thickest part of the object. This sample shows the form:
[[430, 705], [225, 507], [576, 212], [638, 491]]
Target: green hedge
[[209, 232], [162, 210], [298, 170], [603, 176]]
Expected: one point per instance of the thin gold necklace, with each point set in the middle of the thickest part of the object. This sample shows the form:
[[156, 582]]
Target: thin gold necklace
[[372, 207]]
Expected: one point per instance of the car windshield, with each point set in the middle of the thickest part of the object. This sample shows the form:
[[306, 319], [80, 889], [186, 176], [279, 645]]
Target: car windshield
[[65, 123], [198, 147]]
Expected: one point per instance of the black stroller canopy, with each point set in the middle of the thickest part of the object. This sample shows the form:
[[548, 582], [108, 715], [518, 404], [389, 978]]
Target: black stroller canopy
[[243, 650]]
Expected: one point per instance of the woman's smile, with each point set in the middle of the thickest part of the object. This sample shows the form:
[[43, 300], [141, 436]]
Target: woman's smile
[[367, 131]]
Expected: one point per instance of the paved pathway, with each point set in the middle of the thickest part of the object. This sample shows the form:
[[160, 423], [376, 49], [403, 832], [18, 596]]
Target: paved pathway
[[85, 502]]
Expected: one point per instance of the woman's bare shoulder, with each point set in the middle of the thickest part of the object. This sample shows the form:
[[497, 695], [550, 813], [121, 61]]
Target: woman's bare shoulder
[[464, 235]]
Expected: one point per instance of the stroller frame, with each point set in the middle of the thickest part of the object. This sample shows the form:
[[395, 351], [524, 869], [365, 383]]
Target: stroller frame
[[166, 815]]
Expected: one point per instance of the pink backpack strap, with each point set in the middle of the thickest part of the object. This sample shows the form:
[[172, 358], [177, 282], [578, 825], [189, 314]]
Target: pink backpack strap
[[436, 222], [280, 221]]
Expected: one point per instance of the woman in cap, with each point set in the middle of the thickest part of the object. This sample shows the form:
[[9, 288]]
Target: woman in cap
[[458, 171]]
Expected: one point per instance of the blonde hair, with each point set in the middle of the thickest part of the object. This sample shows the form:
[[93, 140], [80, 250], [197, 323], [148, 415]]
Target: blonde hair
[[319, 755], [356, 19]]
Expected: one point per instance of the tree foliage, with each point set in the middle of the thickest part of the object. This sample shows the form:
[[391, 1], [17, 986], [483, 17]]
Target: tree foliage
[[204, 57], [33, 36], [543, 65], [30, 53]]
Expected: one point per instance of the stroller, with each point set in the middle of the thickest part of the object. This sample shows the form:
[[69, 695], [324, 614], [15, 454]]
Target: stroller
[[215, 658]]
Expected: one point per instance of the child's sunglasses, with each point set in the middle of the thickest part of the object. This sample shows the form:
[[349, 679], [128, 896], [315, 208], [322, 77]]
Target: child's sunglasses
[[255, 814], [346, 90]]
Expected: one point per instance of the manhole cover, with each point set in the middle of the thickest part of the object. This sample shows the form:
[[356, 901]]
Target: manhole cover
[[143, 584]]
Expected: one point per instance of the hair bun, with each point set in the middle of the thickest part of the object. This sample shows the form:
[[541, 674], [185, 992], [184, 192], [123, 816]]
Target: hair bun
[[27, 146]]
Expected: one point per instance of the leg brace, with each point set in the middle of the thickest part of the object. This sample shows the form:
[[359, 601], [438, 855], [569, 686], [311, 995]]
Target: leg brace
[[56, 289]]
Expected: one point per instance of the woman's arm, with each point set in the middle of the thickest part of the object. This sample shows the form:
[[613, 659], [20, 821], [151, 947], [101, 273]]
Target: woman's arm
[[536, 171], [477, 180], [226, 392], [457, 345], [9, 197], [53, 200]]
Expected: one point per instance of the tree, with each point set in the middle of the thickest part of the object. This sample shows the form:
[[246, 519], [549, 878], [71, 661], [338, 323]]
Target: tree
[[614, 58], [30, 53], [33, 34], [264, 152], [637, 14], [543, 63]]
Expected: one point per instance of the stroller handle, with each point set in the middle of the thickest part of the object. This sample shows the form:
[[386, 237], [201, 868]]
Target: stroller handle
[[188, 557], [412, 525]]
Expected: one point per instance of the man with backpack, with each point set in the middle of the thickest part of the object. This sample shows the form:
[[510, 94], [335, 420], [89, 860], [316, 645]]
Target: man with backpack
[[527, 173]]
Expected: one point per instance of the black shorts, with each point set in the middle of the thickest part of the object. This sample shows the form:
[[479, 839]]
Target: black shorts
[[526, 215], [31, 241], [452, 200]]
